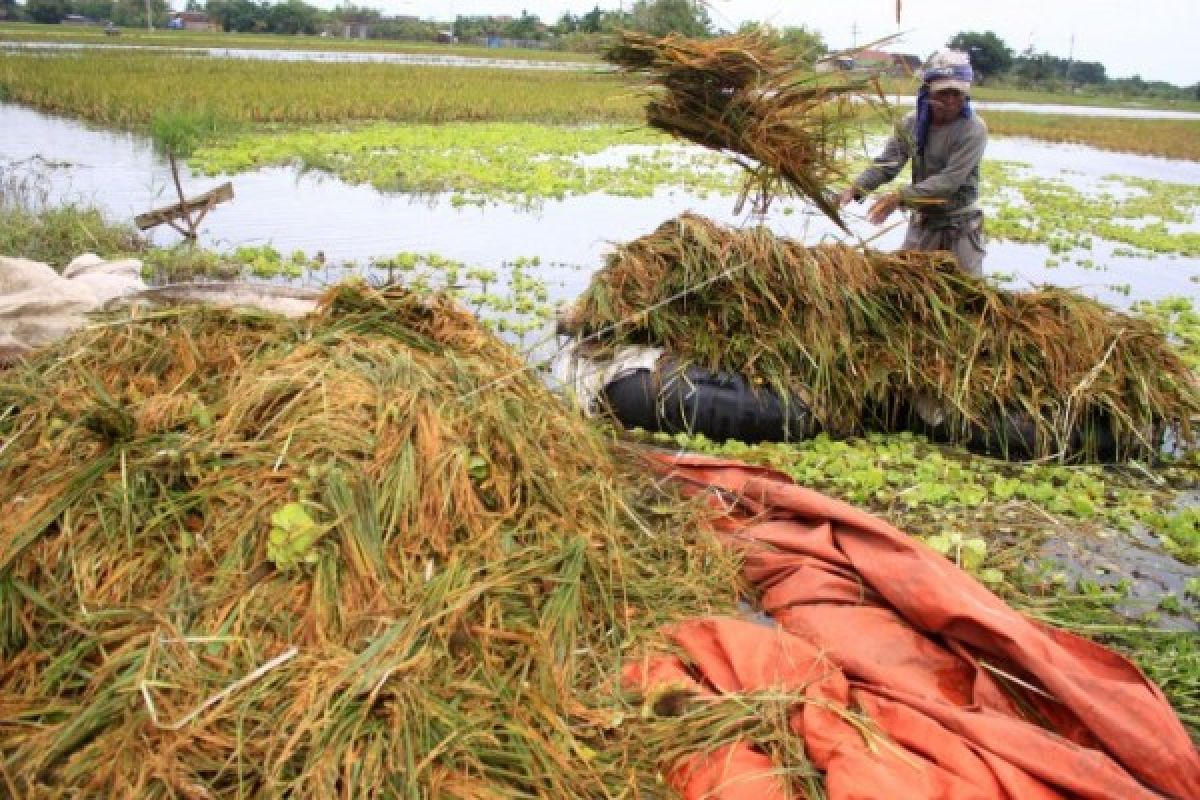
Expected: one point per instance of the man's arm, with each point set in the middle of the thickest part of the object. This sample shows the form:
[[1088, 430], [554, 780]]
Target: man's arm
[[887, 165], [964, 157]]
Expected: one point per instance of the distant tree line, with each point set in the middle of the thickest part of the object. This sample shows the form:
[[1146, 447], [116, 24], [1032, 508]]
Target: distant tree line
[[995, 63], [128, 13], [296, 16]]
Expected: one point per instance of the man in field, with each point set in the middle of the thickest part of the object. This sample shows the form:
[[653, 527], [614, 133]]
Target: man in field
[[945, 140]]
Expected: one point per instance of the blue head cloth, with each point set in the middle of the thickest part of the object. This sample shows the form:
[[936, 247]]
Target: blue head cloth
[[957, 72]]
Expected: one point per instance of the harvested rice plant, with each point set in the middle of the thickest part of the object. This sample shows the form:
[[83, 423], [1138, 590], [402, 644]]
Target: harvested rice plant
[[360, 554], [737, 95]]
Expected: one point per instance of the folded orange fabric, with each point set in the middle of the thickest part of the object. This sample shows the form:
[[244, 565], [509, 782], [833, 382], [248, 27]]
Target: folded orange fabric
[[872, 620]]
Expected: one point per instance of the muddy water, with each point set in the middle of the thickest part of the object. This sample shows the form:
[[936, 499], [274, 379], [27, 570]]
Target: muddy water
[[1135, 560], [120, 174]]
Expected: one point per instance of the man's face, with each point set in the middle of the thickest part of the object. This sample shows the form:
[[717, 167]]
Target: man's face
[[947, 105]]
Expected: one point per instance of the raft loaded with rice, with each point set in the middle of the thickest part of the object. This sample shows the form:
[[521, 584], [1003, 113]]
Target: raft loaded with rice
[[765, 338]]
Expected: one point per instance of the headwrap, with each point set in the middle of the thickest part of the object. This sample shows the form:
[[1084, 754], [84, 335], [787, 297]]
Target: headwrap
[[955, 72]]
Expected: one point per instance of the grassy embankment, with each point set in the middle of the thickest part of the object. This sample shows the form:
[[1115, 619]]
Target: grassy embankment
[[140, 37], [1011, 94]]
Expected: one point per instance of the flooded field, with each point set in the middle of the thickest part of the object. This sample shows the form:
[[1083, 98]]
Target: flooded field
[[1120, 228], [316, 213], [411, 59]]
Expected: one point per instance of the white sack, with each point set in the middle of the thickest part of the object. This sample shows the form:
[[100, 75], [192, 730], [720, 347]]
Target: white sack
[[39, 306], [109, 280], [586, 377]]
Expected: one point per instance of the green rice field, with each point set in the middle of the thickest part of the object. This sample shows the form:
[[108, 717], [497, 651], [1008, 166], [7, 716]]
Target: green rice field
[[125, 89]]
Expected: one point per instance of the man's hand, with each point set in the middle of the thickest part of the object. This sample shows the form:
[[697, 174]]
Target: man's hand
[[846, 195], [882, 208]]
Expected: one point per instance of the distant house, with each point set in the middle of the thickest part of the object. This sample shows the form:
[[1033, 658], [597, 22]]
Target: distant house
[[191, 21], [895, 64], [78, 19], [355, 30], [835, 63]]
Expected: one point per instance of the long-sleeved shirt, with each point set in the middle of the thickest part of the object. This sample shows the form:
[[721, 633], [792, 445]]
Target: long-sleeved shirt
[[945, 179]]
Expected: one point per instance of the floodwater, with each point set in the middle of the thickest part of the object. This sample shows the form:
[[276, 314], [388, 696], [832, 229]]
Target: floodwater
[[332, 56], [290, 210]]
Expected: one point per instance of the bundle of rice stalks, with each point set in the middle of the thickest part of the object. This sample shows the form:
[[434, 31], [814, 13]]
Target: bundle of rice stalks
[[868, 339], [739, 95], [361, 554]]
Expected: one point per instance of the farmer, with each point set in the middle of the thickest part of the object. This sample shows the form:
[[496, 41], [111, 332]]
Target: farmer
[[945, 140]]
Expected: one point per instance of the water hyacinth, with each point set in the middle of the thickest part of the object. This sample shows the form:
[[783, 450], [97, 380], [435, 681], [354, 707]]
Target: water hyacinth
[[358, 554]]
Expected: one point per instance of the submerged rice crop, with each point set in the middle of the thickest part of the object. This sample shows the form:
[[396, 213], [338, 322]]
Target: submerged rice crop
[[358, 554], [127, 89], [869, 339], [1169, 138]]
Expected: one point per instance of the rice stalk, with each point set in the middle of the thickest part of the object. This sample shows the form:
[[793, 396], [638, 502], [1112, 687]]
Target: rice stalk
[[782, 122]]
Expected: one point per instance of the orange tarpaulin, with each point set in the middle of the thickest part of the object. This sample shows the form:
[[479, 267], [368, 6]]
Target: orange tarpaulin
[[871, 620]]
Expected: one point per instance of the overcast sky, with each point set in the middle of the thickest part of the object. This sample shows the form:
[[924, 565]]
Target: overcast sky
[[1152, 38]]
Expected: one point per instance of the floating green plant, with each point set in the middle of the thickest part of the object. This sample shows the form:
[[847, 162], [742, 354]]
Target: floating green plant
[[480, 162], [918, 482], [508, 300], [1180, 319], [264, 261], [1140, 216], [1179, 531]]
